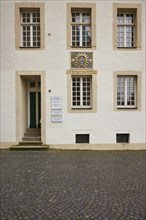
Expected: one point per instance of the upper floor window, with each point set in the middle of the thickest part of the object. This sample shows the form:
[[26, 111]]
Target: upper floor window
[[125, 29], [81, 25], [30, 28], [81, 29], [126, 26]]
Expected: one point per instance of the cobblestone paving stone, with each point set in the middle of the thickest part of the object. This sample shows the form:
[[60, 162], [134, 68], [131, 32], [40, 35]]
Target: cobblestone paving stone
[[73, 185]]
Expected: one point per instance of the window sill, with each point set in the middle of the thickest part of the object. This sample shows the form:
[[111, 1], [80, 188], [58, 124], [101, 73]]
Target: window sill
[[80, 108], [127, 47], [30, 47], [127, 108]]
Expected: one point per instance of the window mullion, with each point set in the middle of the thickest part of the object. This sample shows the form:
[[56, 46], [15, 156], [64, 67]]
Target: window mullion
[[81, 29], [21, 35], [81, 91], [126, 91], [135, 92], [125, 35], [81, 44], [31, 30], [125, 30]]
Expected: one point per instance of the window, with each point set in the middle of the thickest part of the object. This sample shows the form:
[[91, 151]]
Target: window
[[82, 138], [32, 84], [81, 29], [126, 91], [81, 91], [126, 26], [30, 28], [81, 25], [122, 138], [125, 29]]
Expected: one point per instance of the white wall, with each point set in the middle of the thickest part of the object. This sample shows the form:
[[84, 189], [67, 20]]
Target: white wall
[[55, 60]]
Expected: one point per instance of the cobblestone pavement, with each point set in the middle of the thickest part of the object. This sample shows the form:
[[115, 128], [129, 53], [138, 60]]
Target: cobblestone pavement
[[71, 185]]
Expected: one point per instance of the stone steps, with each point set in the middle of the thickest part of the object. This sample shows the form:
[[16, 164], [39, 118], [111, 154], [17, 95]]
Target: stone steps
[[29, 147], [30, 142], [32, 138]]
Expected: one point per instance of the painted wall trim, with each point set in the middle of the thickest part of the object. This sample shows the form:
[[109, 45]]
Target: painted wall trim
[[141, 146]]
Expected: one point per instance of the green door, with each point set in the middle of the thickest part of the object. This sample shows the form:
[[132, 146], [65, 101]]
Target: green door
[[39, 109], [32, 109]]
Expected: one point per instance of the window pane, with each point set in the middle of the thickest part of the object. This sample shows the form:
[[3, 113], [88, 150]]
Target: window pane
[[30, 29], [76, 17], [86, 91], [129, 18], [81, 33], [120, 36], [86, 17], [125, 30], [81, 91], [86, 39], [121, 91], [131, 90], [126, 91], [76, 91], [129, 36], [75, 36]]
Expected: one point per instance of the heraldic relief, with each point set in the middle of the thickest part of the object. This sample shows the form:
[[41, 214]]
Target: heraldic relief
[[81, 60]]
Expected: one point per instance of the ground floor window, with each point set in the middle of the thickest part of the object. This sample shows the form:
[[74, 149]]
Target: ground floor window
[[122, 138], [81, 91], [82, 138], [126, 91]]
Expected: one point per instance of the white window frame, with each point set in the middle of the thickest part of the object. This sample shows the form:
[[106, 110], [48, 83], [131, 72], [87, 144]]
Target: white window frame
[[31, 24], [125, 95], [82, 106], [124, 25], [80, 24]]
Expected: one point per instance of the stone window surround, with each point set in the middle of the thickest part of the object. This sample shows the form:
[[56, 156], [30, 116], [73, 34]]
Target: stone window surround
[[138, 90], [18, 7], [91, 73], [82, 6], [125, 7]]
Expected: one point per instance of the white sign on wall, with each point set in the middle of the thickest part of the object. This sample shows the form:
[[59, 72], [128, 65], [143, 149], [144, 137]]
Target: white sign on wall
[[56, 112], [56, 102], [56, 119], [56, 109]]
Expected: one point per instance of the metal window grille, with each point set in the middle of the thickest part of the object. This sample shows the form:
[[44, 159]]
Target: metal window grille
[[30, 29], [125, 30], [81, 29], [82, 138], [81, 92], [126, 91], [122, 138]]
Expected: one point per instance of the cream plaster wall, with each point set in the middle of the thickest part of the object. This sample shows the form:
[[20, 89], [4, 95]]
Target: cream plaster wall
[[54, 61]]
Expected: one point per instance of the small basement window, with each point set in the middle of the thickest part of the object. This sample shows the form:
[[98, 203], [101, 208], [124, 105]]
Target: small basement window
[[122, 138], [82, 138]]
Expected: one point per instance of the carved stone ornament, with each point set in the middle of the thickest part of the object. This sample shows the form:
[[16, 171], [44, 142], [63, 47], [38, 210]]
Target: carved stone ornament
[[81, 60]]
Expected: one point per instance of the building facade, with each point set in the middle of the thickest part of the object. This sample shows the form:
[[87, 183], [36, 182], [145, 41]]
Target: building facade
[[75, 70]]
